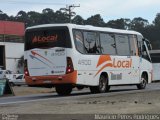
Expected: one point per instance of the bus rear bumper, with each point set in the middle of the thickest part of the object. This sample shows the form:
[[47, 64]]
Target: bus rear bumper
[[70, 78]]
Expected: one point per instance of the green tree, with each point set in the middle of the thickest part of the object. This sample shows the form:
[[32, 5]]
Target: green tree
[[3, 16], [22, 16], [119, 23], [95, 20], [156, 21], [33, 18], [78, 20], [152, 32], [47, 16], [139, 24], [61, 17]]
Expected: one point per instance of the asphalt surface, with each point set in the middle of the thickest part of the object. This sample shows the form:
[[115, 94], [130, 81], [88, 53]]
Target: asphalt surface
[[115, 90]]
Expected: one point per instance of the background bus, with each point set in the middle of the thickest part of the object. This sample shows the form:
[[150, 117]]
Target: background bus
[[65, 56]]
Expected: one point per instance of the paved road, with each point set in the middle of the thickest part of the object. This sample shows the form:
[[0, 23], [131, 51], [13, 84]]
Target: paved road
[[77, 94]]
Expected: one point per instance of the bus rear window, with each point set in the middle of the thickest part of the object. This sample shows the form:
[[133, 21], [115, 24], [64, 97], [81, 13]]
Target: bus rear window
[[47, 38]]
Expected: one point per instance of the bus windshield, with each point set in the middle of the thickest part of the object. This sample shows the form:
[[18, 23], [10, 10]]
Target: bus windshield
[[47, 38]]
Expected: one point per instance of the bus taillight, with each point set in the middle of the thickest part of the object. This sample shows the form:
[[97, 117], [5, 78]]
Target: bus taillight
[[70, 67], [26, 72]]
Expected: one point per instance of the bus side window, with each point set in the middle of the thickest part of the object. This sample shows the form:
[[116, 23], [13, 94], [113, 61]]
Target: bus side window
[[90, 42], [78, 38], [140, 48], [122, 45], [107, 43], [133, 45], [145, 52], [140, 45]]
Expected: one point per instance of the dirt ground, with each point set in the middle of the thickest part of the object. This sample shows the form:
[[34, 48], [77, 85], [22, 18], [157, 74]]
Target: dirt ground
[[25, 90]]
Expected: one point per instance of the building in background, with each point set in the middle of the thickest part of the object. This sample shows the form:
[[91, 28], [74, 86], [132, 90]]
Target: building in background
[[11, 45]]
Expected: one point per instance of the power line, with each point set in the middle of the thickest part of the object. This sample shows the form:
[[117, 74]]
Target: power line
[[68, 11]]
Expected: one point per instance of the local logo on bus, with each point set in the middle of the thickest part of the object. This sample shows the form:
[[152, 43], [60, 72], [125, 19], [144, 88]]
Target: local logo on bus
[[115, 63], [42, 39], [122, 63]]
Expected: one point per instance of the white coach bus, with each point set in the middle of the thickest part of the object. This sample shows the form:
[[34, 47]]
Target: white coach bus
[[65, 56]]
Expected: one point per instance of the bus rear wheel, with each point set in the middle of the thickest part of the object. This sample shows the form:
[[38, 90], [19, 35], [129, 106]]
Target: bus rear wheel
[[143, 83], [63, 89], [102, 87]]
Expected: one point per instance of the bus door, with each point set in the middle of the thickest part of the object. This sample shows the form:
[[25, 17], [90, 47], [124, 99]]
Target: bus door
[[123, 61], [135, 55]]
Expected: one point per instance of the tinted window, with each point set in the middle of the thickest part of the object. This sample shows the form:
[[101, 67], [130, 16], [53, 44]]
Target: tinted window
[[47, 37], [107, 43], [91, 42], [20, 77], [78, 37], [122, 44], [133, 44]]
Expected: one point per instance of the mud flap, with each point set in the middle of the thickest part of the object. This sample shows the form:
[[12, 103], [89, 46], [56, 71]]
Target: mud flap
[[5, 88]]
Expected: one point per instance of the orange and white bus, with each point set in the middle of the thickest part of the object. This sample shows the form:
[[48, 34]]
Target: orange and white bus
[[65, 56]]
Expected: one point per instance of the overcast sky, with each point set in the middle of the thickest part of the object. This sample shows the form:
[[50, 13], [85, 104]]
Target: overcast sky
[[109, 9]]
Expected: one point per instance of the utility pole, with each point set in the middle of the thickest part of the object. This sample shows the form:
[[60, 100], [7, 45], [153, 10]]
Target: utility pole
[[68, 11]]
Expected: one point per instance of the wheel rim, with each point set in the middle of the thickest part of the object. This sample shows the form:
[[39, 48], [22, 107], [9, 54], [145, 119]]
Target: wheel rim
[[102, 84], [143, 83]]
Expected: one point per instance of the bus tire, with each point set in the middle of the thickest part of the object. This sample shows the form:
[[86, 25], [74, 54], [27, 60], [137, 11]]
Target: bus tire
[[63, 89], [143, 83], [102, 87]]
